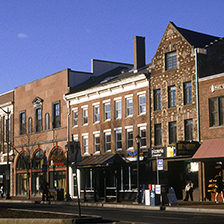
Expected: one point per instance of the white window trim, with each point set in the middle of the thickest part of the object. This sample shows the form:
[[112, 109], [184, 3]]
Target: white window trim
[[96, 134], [118, 130], [107, 103], [96, 105], [86, 136], [128, 98], [107, 132], [118, 100], [83, 109], [129, 129], [143, 127], [73, 111], [140, 95]]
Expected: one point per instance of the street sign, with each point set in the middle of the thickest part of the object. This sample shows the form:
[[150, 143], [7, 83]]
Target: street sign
[[160, 164], [158, 189]]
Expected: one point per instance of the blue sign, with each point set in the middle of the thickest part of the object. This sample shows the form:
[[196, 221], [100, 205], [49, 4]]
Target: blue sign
[[160, 164]]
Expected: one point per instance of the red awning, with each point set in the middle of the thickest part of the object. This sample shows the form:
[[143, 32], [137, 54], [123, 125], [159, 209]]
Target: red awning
[[213, 148]]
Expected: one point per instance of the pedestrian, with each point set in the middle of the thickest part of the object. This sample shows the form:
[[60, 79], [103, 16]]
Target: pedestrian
[[1, 191], [44, 187], [189, 190], [219, 189]]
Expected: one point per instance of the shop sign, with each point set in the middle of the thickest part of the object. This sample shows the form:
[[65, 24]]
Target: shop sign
[[158, 152], [186, 148]]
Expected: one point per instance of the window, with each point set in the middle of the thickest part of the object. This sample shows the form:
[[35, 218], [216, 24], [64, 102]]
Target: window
[[107, 111], [56, 115], [157, 99], [30, 125], [171, 96], [38, 119], [142, 104], [85, 115], [188, 126], [142, 133], [129, 107], [171, 60], [107, 141], [118, 109], [158, 134], [172, 132], [47, 121], [22, 122], [187, 93], [96, 113], [129, 138], [97, 142], [75, 117], [118, 139], [216, 111], [85, 144]]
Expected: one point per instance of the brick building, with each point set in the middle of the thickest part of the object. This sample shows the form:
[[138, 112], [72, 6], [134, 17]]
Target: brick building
[[107, 113], [182, 57], [6, 140], [40, 128]]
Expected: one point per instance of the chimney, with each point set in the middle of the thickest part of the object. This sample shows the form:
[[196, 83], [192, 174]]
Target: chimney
[[139, 52]]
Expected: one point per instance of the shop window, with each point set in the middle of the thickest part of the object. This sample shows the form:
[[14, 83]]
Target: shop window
[[158, 134], [171, 60], [57, 158], [172, 132], [23, 162], [216, 111], [38, 160], [157, 99], [171, 96], [187, 93], [188, 126]]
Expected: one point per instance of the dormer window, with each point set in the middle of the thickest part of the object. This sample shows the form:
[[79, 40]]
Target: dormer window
[[171, 60]]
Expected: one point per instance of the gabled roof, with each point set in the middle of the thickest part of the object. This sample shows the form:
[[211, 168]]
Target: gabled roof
[[102, 160], [196, 39]]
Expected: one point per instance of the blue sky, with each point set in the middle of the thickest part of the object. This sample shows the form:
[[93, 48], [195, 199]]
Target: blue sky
[[41, 37]]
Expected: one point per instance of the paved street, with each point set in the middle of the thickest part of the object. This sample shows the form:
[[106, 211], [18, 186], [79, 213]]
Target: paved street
[[120, 215]]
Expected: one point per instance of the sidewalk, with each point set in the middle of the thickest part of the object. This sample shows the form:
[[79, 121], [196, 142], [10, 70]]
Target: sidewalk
[[184, 206]]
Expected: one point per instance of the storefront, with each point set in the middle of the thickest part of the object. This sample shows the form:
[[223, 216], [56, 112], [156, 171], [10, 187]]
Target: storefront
[[211, 157], [30, 172]]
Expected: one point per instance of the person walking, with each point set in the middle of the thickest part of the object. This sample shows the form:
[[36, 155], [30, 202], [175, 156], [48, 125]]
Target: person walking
[[44, 187], [189, 191], [219, 189]]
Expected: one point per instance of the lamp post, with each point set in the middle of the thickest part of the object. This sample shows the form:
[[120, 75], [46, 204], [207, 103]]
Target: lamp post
[[138, 140], [8, 167], [67, 197]]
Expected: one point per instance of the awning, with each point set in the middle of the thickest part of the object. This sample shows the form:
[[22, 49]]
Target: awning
[[102, 160], [209, 149]]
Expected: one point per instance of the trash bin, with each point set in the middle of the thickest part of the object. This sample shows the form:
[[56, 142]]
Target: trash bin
[[60, 194]]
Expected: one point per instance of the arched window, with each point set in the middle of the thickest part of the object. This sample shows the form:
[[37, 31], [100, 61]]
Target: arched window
[[30, 125], [23, 162], [57, 158], [38, 160], [47, 121]]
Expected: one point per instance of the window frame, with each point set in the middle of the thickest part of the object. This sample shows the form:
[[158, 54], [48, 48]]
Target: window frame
[[85, 115], [96, 144], [142, 105], [56, 114], [96, 112], [22, 122], [118, 110], [38, 119], [171, 60], [107, 113], [85, 143], [188, 129], [158, 134], [187, 93], [129, 106], [143, 143], [172, 99], [107, 136], [216, 117], [129, 138], [118, 131], [157, 99], [172, 132], [75, 117]]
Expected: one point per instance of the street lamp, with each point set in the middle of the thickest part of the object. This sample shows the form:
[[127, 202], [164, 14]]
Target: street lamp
[[67, 197], [8, 143], [138, 140]]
